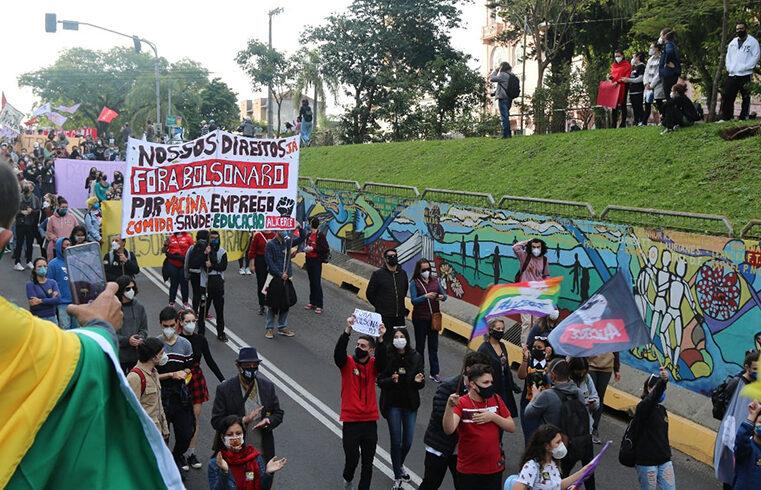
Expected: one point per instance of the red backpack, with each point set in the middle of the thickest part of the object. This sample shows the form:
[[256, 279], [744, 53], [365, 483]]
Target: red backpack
[[142, 379]]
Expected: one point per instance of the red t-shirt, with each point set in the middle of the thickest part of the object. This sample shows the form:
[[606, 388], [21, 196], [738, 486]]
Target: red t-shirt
[[312, 242], [478, 444]]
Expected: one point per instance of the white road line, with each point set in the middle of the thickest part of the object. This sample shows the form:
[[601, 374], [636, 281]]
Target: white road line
[[295, 391]]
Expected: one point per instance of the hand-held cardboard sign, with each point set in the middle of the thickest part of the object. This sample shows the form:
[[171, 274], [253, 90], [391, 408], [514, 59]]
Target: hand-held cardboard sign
[[367, 322]]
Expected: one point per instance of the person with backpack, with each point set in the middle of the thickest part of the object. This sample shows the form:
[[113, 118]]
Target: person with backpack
[[564, 406], [533, 266], [134, 330], [143, 378], [317, 252], [247, 128], [508, 88], [478, 418], [722, 395], [679, 110], [305, 112], [579, 367]]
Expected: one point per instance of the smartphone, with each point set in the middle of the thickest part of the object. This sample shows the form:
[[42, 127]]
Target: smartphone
[[87, 279]]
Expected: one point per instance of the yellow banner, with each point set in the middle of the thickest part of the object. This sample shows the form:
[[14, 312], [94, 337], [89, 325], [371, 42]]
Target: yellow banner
[[147, 248], [28, 140]]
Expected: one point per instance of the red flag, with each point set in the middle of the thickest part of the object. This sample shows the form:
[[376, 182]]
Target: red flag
[[107, 115], [608, 94], [31, 121]]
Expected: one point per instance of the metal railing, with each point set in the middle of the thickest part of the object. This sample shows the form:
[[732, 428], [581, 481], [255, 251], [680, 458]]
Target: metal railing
[[474, 199], [547, 207], [337, 184], [406, 191], [306, 182], [708, 224], [752, 229]]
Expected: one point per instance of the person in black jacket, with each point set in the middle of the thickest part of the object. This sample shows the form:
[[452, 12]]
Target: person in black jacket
[[440, 448], [261, 411], [386, 291], [119, 261], [400, 382], [679, 111], [651, 425], [500, 364]]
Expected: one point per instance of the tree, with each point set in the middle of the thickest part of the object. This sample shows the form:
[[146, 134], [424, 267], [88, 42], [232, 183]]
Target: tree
[[310, 74], [220, 103], [268, 67]]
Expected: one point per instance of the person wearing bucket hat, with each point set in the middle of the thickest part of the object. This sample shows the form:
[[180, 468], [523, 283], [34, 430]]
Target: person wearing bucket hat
[[93, 220], [253, 398]]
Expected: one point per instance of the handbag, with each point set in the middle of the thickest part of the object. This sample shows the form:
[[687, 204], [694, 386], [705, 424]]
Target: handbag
[[627, 455], [435, 317]]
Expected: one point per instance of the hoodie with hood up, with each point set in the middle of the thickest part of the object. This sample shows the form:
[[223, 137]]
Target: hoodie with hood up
[[57, 271]]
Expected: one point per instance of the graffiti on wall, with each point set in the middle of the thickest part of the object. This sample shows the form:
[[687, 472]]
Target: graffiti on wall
[[700, 295]]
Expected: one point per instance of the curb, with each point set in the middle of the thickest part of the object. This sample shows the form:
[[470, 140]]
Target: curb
[[685, 435]]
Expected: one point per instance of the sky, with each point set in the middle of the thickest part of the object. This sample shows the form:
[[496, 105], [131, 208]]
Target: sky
[[208, 32]]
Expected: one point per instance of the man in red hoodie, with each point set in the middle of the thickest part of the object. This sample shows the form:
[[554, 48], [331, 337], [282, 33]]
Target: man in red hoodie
[[359, 408]]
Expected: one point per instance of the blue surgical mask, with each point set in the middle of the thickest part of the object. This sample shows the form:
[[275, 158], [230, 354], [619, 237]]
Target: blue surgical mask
[[62, 212], [96, 205], [42, 271], [215, 243], [758, 430], [753, 376]]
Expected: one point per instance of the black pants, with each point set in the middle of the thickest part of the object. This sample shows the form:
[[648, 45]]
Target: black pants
[[390, 322], [668, 82], [731, 87], [436, 469], [200, 305], [260, 266], [184, 423], [673, 116], [24, 235], [567, 464], [469, 481], [314, 271], [360, 437], [639, 111], [216, 293]]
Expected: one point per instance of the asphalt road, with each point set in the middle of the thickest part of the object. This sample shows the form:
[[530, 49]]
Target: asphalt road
[[308, 385]]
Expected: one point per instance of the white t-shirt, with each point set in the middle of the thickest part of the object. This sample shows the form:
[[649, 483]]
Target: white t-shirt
[[549, 479]]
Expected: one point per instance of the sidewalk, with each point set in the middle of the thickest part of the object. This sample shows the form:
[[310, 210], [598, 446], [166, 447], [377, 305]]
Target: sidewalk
[[684, 406]]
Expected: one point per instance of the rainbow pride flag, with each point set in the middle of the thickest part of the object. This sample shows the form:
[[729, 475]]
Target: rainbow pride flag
[[536, 298]]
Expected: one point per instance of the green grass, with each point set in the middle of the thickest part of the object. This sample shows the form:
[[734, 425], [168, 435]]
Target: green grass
[[690, 170]]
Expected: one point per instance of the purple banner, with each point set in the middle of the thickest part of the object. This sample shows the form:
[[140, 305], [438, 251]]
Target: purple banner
[[71, 176]]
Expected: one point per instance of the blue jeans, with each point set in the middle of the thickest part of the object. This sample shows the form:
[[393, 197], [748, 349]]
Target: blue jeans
[[51, 319], [401, 429], [306, 132], [504, 114], [66, 321], [662, 475], [424, 332], [177, 278], [282, 319]]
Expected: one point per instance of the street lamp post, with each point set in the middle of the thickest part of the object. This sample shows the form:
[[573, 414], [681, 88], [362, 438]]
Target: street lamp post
[[73, 25], [271, 13]]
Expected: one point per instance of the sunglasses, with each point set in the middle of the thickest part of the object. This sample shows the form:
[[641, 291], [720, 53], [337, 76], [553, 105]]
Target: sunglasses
[[540, 338]]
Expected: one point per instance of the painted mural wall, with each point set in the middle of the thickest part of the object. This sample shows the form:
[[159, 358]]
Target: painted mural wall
[[699, 294]]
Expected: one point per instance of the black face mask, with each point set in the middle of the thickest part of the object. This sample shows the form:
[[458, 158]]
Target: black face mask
[[496, 334], [486, 392], [742, 34], [248, 373], [360, 353], [538, 354], [392, 260], [577, 377]]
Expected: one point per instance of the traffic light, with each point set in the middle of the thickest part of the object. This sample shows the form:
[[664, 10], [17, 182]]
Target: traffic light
[[136, 40], [50, 23]]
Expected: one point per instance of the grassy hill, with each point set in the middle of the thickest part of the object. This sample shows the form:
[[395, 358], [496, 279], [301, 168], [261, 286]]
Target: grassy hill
[[690, 170]]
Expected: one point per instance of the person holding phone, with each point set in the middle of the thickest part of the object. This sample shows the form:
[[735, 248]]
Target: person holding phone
[[42, 292]]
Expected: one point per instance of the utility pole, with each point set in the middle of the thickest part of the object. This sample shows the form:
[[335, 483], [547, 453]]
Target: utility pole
[[271, 13], [523, 78]]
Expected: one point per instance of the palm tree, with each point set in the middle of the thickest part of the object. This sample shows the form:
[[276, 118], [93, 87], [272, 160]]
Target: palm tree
[[310, 75]]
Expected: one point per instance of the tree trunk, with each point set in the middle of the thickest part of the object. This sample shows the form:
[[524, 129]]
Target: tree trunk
[[314, 109], [717, 76], [279, 104]]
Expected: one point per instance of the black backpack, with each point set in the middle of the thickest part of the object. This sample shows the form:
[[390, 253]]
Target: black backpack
[[574, 424], [197, 257], [627, 454], [307, 113], [513, 87], [721, 396]]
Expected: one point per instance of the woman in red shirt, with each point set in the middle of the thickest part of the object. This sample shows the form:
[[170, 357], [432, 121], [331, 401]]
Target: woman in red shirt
[[258, 265], [176, 247], [316, 251], [620, 71]]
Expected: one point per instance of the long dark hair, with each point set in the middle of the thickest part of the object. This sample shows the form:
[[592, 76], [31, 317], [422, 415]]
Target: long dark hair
[[536, 240], [35, 277], [418, 264], [123, 282], [74, 231], [392, 351], [227, 422], [535, 449]]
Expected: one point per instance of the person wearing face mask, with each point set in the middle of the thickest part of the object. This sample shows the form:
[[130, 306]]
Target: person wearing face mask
[[679, 111], [387, 290], [236, 464], [251, 397], [280, 293], [620, 71], [47, 177], [544, 326], [143, 378], [545, 404], [78, 235], [359, 409], [653, 84], [478, 418], [539, 463], [651, 426], [60, 224], [742, 57], [58, 271], [317, 252], [400, 383], [175, 248], [579, 367], [101, 186], [42, 292], [48, 208], [496, 350], [533, 266], [533, 369], [175, 395], [426, 295], [670, 64], [135, 327], [199, 392], [213, 280], [93, 220], [119, 261], [748, 449], [26, 224], [637, 88]]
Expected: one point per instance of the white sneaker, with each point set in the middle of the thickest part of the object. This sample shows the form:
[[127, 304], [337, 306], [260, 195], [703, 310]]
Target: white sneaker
[[241, 271], [248, 272], [30, 265], [348, 485], [721, 121], [18, 267], [397, 484]]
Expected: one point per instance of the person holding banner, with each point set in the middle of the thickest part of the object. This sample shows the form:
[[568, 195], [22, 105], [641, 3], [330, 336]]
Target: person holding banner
[[176, 247]]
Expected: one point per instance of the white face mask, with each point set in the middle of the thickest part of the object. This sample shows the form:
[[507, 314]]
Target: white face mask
[[660, 40], [400, 343], [129, 294], [169, 332], [651, 51], [618, 59], [190, 327], [560, 451], [425, 274], [114, 245], [164, 359], [536, 252]]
